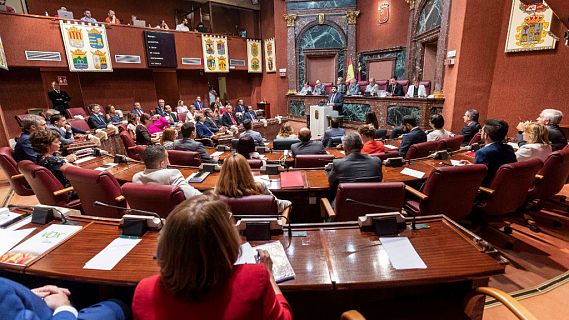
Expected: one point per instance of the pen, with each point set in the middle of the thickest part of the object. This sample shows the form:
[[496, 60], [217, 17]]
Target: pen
[[16, 219]]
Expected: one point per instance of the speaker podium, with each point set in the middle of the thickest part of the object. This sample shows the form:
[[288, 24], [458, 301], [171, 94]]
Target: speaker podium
[[319, 119]]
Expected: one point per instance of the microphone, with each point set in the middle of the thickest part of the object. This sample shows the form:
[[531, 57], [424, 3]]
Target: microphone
[[260, 216], [146, 213], [40, 215], [373, 205], [135, 225]]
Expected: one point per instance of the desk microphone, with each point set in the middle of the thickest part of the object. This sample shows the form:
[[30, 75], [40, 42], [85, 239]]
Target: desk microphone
[[260, 216], [146, 213], [42, 215], [373, 205], [136, 225]]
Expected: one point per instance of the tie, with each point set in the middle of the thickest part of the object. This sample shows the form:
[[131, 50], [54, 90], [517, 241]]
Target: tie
[[232, 119], [333, 97]]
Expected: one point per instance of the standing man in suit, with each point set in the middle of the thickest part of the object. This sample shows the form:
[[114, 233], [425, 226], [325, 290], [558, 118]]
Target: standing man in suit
[[59, 99], [250, 114], [248, 125], [355, 166], [413, 134], [394, 89], [188, 144], [198, 103], [472, 127], [550, 118], [306, 146], [336, 100], [160, 108], [228, 119], [333, 131], [137, 109]]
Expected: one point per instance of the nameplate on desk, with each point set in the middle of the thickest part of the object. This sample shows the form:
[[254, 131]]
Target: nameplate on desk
[[413, 173], [109, 257]]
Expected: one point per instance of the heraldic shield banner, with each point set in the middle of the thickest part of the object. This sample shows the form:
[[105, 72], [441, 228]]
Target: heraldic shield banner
[[3, 62], [86, 47], [215, 53], [529, 27], [254, 60], [270, 61]]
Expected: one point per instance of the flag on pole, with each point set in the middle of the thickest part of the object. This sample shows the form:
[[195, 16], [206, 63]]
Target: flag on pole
[[351, 74]]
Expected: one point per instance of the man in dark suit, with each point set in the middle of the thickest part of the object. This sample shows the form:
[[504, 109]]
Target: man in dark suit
[[472, 127], [210, 122], [550, 118], [333, 131], [188, 144], [354, 167], [160, 108], [241, 108], [96, 118], [413, 134], [23, 149], [198, 104], [137, 109], [336, 100], [394, 89], [169, 113], [306, 146], [59, 99], [229, 118], [250, 114]]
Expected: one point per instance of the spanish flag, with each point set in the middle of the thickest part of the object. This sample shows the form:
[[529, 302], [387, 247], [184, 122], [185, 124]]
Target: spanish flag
[[350, 73]]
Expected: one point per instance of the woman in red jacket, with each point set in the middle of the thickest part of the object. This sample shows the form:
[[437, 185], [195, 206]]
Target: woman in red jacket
[[371, 145], [196, 252]]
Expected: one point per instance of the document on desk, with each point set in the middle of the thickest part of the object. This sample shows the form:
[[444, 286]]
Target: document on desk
[[216, 154], [413, 173], [401, 253], [78, 161], [107, 166], [391, 147], [456, 163], [109, 257], [247, 255], [10, 238]]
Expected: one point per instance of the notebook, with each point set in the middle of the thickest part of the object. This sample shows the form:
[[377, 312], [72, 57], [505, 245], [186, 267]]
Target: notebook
[[292, 179]]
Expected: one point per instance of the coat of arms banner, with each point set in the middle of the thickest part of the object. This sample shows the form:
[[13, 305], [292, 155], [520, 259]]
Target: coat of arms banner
[[530, 27], [270, 61], [86, 46], [3, 62], [215, 53], [254, 61]]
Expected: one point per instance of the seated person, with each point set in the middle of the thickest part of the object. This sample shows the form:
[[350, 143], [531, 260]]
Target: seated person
[[236, 180], [58, 124], [551, 119], [394, 88], [371, 120], [168, 137], [537, 143], [204, 282], [97, 120], [472, 127], [210, 121], [413, 134], [438, 133], [158, 124], [372, 88], [416, 90], [188, 144], [355, 166], [46, 143], [333, 131], [340, 85], [319, 88], [370, 145], [248, 125], [250, 114], [137, 109], [306, 146], [306, 89], [142, 135], [286, 132], [203, 131], [155, 159], [191, 115], [23, 149], [182, 108], [495, 153], [51, 302], [198, 104], [229, 118], [246, 148], [353, 88], [217, 106], [160, 108], [132, 121], [112, 115], [169, 114], [240, 108]]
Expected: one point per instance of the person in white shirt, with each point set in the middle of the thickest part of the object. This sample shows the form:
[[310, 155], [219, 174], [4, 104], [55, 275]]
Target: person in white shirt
[[416, 90], [537, 146], [182, 108], [307, 89], [438, 133], [372, 87], [156, 161], [87, 17], [183, 26]]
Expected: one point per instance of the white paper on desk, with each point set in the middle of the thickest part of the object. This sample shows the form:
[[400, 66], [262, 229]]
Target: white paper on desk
[[262, 157], [191, 176], [401, 253], [456, 163], [9, 238], [107, 166], [392, 147], [413, 173], [343, 152], [216, 154], [20, 223], [7, 215], [78, 161], [108, 258], [246, 255]]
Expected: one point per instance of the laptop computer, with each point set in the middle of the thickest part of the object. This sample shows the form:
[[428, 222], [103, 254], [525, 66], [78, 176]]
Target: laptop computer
[[139, 23], [65, 14]]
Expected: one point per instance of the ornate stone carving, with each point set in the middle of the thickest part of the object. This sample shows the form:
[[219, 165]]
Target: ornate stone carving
[[290, 19], [320, 18], [352, 16], [411, 4]]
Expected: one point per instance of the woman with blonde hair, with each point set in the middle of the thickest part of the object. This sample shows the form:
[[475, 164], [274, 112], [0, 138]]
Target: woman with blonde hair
[[538, 145], [236, 180], [286, 132], [168, 137], [203, 282]]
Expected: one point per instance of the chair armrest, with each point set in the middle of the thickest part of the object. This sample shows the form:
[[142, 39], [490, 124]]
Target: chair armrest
[[514, 306], [326, 209], [120, 198], [62, 191], [352, 315], [132, 148], [539, 177], [17, 176], [486, 190], [416, 193]]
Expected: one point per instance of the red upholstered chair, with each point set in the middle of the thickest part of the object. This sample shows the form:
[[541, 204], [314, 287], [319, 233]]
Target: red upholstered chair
[[158, 198], [421, 150], [382, 84], [475, 139], [391, 195], [79, 124], [20, 117], [93, 185], [509, 189], [10, 168], [255, 163], [133, 150], [328, 89], [386, 155], [363, 85], [46, 187], [427, 84], [261, 204], [449, 191], [404, 84], [184, 158], [72, 112], [312, 160], [182, 117], [452, 143], [552, 177]]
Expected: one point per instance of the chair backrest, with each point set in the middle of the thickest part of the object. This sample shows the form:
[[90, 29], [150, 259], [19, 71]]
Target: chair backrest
[[72, 112], [363, 85], [184, 158], [19, 118], [382, 84], [388, 194], [252, 205], [475, 139], [452, 143], [10, 168], [404, 84], [93, 185], [380, 133], [284, 144], [255, 163], [43, 183], [234, 143], [182, 117], [158, 198], [555, 172], [451, 190], [79, 124], [511, 185], [386, 155], [132, 149], [312, 160], [334, 141], [420, 150], [427, 84]]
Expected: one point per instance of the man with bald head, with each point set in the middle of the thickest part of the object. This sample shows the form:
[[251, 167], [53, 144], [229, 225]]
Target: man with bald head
[[306, 146]]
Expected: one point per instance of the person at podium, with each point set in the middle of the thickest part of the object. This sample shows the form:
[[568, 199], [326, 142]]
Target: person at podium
[[336, 100]]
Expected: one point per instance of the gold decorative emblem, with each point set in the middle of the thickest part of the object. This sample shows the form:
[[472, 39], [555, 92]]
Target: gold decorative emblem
[[290, 19], [383, 13], [320, 18], [352, 16], [411, 4]]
